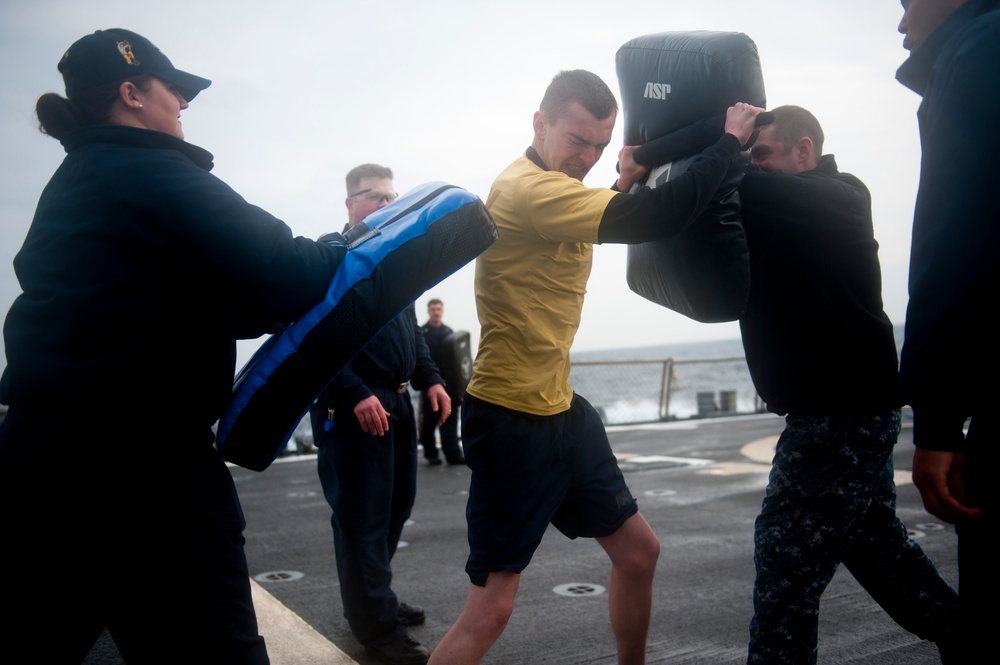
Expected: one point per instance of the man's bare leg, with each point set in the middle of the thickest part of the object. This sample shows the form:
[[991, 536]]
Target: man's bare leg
[[634, 550], [481, 623]]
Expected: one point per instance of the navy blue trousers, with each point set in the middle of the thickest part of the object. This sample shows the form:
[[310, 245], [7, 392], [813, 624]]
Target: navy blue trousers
[[831, 499], [370, 483], [139, 532], [449, 432]]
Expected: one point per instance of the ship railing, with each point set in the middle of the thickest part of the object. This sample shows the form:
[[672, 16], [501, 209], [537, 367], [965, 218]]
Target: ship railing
[[665, 389]]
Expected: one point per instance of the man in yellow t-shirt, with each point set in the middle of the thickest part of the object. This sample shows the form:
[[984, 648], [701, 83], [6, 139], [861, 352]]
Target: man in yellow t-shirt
[[538, 452]]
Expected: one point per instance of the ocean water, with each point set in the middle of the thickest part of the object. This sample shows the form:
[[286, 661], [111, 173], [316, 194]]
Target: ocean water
[[668, 382]]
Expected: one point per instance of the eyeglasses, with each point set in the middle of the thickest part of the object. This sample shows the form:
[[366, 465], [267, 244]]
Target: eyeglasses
[[375, 197]]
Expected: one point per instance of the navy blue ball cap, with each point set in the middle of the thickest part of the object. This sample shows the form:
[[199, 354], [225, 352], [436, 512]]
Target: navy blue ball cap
[[115, 55]]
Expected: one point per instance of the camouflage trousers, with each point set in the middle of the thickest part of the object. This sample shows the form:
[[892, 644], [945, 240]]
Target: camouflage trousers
[[831, 499]]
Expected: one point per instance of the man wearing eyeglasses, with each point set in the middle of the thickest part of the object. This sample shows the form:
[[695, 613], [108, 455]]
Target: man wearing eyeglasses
[[369, 188], [368, 456]]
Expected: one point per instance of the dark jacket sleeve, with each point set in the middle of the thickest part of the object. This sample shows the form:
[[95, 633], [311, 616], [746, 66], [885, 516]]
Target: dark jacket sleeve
[[817, 203], [681, 143], [397, 354], [652, 214], [346, 390], [271, 275]]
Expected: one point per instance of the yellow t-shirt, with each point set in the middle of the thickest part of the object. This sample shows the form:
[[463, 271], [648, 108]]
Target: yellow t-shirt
[[530, 285]]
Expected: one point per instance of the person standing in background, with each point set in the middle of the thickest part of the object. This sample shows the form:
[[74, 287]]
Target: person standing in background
[[367, 459], [436, 335]]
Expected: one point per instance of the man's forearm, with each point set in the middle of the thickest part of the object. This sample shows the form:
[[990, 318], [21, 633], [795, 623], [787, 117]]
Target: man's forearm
[[665, 211]]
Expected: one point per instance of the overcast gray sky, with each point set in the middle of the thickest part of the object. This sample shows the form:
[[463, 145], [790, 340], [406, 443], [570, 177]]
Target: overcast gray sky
[[445, 90]]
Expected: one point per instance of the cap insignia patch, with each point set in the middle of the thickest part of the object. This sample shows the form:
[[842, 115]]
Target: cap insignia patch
[[126, 50]]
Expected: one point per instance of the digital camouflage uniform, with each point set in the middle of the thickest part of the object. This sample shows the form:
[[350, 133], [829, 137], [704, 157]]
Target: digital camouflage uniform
[[830, 499]]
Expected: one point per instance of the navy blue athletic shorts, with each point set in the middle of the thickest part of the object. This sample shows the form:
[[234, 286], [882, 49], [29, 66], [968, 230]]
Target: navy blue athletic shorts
[[529, 471]]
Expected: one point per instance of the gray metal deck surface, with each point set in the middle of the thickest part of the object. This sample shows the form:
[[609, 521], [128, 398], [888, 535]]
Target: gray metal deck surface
[[699, 484]]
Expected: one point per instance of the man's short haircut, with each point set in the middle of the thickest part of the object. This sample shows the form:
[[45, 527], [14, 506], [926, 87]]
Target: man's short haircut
[[355, 175], [434, 301], [581, 86], [792, 123]]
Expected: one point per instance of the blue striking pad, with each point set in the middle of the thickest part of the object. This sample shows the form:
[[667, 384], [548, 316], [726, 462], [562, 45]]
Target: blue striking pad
[[396, 254]]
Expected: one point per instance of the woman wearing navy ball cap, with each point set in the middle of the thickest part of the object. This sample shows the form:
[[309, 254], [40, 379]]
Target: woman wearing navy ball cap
[[138, 274]]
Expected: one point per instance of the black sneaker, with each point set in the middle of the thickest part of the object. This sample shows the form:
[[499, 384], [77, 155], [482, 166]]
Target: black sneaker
[[404, 650], [411, 615], [434, 461]]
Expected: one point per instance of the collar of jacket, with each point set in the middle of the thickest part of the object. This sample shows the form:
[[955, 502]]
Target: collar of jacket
[[915, 73], [141, 138], [827, 164]]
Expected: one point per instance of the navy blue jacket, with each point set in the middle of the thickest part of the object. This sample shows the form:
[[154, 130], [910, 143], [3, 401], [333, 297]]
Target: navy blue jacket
[[947, 364], [139, 273], [398, 354], [817, 341]]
